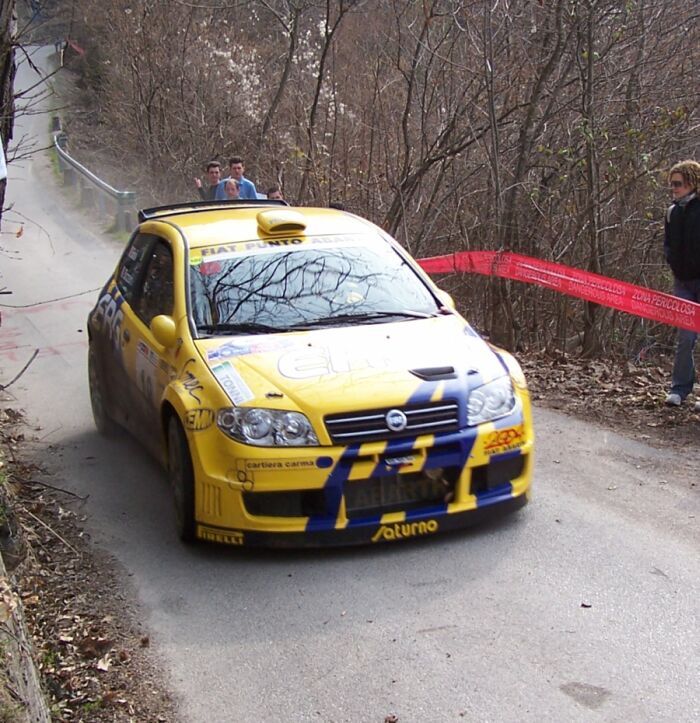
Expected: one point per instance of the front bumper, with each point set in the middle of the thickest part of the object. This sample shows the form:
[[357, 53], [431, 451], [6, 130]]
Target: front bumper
[[364, 493], [423, 525]]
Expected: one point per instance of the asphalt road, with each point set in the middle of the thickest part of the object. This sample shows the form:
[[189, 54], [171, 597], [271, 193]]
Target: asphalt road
[[584, 606]]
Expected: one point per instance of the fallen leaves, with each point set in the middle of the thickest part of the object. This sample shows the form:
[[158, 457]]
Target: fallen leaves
[[8, 600], [613, 392], [91, 651]]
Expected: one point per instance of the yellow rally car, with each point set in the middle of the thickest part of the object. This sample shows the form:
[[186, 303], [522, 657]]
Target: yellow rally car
[[303, 380]]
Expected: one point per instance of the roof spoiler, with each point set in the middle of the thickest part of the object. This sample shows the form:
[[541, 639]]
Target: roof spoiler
[[170, 209]]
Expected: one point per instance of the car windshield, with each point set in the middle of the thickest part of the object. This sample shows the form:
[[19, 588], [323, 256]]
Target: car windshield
[[327, 282]]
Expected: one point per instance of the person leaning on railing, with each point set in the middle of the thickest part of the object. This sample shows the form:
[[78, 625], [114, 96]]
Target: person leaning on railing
[[682, 250]]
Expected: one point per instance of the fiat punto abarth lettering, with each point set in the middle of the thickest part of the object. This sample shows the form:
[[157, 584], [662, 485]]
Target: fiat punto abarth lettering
[[303, 381]]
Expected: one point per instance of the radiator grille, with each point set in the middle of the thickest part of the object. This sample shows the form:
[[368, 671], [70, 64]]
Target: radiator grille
[[371, 425]]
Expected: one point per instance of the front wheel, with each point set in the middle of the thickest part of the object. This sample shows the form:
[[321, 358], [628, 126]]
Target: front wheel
[[104, 423], [181, 476]]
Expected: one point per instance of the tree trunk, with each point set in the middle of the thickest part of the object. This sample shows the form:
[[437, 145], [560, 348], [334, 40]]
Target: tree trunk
[[7, 77]]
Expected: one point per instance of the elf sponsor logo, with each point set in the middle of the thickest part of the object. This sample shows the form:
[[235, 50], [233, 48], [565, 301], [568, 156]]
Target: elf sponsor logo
[[403, 530]]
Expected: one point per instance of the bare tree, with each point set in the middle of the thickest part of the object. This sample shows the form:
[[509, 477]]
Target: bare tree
[[7, 76], [540, 128]]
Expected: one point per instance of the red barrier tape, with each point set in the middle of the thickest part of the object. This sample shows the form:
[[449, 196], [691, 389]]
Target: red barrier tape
[[75, 46], [637, 300]]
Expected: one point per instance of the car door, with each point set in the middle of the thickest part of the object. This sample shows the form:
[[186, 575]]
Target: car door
[[151, 365], [108, 323]]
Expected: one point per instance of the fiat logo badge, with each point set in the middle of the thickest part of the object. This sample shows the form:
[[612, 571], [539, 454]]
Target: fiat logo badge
[[396, 420]]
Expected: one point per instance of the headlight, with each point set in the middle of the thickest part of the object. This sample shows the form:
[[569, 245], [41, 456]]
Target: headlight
[[266, 427], [490, 401]]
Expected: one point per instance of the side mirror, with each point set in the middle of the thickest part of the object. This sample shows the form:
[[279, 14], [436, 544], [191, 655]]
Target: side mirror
[[164, 330], [446, 299]]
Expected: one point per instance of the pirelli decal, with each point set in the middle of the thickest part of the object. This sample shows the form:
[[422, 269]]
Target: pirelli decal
[[226, 537]]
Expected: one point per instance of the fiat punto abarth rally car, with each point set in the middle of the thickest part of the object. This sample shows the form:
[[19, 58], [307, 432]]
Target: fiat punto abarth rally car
[[303, 380]]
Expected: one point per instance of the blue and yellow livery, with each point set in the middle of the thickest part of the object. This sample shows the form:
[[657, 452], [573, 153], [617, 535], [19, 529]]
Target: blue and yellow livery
[[303, 381]]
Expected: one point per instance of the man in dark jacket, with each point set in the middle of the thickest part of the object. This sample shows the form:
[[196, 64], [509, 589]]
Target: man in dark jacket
[[682, 249], [213, 178]]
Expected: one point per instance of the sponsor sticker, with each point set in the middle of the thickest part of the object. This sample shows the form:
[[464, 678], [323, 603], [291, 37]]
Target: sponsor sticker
[[227, 537], [199, 419], [278, 465], [228, 250], [126, 276], [232, 382], [108, 319], [503, 440], [257, 346], [147, 362], [403, 530]]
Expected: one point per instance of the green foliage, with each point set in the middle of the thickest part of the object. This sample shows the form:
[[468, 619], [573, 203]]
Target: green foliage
[[91, 706]]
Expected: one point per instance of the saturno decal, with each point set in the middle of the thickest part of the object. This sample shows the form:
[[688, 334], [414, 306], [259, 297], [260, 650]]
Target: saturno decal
[[401, 530]]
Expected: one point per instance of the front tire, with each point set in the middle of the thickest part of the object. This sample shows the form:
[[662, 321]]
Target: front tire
[[106, 426], [181, 476]]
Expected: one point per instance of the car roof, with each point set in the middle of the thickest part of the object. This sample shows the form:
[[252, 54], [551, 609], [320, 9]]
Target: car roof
[[211, 223]]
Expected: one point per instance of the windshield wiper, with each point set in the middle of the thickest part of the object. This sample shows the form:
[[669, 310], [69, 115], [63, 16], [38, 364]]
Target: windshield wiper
[[244, 327], [361, 318]]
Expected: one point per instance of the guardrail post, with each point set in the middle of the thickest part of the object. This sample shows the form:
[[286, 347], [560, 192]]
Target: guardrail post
[[125, 204], [86, 194]]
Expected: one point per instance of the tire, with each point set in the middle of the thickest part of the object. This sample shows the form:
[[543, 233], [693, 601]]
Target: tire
[[106, 426], [181, 477]]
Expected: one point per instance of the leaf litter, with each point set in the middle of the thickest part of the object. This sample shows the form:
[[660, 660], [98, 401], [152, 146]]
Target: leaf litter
[[88, 640]]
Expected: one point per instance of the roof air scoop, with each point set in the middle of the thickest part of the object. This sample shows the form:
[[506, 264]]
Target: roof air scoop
[[280, 221]]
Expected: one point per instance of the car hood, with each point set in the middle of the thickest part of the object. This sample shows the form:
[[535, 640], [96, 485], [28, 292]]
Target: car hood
[[352, 367]]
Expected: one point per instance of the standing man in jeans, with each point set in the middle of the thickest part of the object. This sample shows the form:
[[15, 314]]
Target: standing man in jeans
[[682, 250]]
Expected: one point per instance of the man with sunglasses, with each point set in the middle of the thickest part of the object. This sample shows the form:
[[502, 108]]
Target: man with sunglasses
[[682, 250]]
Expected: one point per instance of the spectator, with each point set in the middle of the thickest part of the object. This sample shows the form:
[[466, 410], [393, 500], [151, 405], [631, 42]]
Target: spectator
[[246, 187], [232, 189], [213, 178], [682, 250], [275, 194]]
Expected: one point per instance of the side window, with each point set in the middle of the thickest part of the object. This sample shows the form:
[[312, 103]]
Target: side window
[[156, 294], [132, 264]]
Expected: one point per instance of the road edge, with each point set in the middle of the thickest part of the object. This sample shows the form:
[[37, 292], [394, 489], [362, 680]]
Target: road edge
[[18, 653]]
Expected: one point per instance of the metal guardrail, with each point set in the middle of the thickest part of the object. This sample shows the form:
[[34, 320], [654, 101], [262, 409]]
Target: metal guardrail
[[93, 190]]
